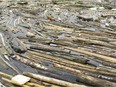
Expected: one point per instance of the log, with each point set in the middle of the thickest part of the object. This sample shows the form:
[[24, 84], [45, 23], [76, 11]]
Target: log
[[6, 75], [95, 42], [58, 28], [94, 37], [30, 62], [52, 80], [47, 48], [105, 58]]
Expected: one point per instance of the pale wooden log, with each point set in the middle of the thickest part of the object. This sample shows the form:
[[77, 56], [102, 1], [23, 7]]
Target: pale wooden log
[[10, 76], [58, 28], [52, 80], [6, 75]]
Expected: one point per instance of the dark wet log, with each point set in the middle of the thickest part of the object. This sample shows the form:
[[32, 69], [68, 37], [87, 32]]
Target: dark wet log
[[47, 48], [77, 59]]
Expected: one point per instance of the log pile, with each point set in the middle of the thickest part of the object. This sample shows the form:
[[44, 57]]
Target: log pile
[[51, 44]]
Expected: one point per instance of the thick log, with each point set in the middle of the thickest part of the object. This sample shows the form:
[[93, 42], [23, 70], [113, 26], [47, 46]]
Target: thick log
[[58, 28]]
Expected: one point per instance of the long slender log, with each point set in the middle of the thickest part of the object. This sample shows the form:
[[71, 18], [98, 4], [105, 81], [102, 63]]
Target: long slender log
[[47, 48], [105, 58], [78, 59], [39, 40], [52, 80], [101, 50], [110, 32], [94, 37], [64, 43]]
